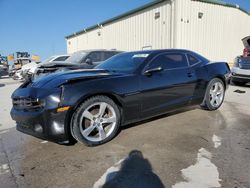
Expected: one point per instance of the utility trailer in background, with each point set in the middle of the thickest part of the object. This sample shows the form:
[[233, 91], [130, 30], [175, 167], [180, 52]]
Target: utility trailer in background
[[4, 66], [22, 58]]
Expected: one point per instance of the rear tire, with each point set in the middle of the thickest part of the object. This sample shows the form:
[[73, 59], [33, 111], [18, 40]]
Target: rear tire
[[96, 121], [214, 95]]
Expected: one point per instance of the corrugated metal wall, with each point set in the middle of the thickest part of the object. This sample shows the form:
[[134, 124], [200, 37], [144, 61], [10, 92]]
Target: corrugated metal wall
[[217, 35], [130, 33]]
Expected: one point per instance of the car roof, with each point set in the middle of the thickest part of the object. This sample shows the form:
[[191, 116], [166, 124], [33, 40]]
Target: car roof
[[60, 55], [97, 50], [159, 51], [162, 50]]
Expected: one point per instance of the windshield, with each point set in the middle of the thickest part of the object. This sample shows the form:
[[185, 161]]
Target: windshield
[[76, 57], [125, 62]]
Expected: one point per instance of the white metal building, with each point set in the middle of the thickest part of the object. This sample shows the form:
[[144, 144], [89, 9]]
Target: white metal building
[[212, 28]]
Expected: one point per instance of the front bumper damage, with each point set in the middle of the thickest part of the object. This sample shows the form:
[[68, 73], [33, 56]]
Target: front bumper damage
[[35, 113]]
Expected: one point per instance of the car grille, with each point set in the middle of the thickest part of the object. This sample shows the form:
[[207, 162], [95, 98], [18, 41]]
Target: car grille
[[241, 75], [245, 66], [244, 63], [27, 104]]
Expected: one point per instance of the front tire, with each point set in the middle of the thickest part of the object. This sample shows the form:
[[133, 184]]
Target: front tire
[[96, 121], [214, 95]]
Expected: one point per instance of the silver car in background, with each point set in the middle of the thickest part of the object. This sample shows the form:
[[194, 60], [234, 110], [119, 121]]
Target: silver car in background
[[241, 68], [84, 59], [29, 69]]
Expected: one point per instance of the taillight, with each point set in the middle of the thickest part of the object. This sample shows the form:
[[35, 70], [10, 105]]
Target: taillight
[[245, 52]]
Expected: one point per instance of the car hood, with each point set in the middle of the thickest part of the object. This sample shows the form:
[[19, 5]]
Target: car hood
[[57, 79], [246, 42], [58, 64]]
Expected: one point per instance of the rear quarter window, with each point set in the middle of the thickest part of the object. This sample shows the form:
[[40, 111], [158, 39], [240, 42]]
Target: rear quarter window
[[192, 60]]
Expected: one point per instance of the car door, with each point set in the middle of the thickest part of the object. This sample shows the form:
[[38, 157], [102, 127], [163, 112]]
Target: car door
[[170, 87], [195, 64]]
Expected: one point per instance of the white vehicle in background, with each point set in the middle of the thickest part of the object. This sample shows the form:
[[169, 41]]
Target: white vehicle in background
[[3, 70], [18, 75], [56, 58], [29, 69]]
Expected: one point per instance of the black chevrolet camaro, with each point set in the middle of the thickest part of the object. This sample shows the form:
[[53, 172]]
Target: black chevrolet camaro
[[90, 105]]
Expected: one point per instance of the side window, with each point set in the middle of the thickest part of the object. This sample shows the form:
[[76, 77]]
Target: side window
[[192, 60], [108, 55], [170, 61], [95, 56]]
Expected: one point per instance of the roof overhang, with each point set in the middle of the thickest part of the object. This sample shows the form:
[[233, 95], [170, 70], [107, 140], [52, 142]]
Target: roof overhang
[[217, 2], [116, 18]]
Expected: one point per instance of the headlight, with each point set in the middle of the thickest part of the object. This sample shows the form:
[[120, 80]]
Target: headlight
[[54, 100]]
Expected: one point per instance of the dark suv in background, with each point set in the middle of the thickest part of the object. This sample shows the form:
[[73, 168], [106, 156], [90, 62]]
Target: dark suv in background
[[84, 59], [241, 68]]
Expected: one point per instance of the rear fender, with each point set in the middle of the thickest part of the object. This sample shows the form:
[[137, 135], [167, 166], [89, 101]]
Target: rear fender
[[219, 70]]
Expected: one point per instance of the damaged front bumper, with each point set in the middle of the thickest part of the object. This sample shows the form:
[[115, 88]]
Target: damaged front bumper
[[35, 111]]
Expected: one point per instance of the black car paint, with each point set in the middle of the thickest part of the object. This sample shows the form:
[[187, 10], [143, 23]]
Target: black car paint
[[139, 95]]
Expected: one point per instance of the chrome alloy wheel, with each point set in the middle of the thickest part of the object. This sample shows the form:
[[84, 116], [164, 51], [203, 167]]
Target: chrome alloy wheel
[[98, 121], [216, 94]]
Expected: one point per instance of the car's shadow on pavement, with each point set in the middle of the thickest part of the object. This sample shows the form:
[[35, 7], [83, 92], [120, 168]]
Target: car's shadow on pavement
[[135, 171], [2, 85]]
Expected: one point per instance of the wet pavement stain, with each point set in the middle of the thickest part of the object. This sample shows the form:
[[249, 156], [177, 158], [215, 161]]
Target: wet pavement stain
[[169, 142], [172, 147], [53, 160], [239, 91]]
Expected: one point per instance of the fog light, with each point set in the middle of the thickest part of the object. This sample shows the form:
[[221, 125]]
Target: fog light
[[38, 128], [57, 128]]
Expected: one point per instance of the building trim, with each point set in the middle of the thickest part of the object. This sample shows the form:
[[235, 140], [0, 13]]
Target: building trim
[[141, 8], [225, 4]]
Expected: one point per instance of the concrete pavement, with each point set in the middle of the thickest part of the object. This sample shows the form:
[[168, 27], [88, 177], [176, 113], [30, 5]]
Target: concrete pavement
[[181, 149]]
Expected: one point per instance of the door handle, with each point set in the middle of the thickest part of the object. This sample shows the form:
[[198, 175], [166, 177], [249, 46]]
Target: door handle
[[190, 74]]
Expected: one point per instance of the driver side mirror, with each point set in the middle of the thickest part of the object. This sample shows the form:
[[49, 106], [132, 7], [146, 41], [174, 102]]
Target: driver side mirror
[[89, 61], [150, 71]]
